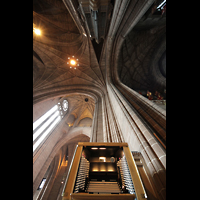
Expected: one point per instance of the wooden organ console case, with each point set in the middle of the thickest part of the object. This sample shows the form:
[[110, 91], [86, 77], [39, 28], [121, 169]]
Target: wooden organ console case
[[103, 171]]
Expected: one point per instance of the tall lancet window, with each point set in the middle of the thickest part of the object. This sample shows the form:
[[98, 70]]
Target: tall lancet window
[[47, 122]]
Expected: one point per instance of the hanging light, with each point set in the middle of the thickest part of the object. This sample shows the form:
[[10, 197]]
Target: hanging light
[[73, 62], [36, 30]]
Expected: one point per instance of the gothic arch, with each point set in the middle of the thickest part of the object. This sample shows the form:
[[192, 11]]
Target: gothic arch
[[54, 161]]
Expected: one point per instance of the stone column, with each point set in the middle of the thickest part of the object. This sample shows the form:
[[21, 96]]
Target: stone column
[[97, 124], [139, 138], [154, 115]]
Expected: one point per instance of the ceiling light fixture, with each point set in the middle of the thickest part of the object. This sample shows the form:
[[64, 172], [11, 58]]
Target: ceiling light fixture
[[102, 159], [73, 62], [36, 30], [94, 148]]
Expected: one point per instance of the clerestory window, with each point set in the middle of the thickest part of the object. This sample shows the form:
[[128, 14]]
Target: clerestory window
[[42, 183], [47, 122]]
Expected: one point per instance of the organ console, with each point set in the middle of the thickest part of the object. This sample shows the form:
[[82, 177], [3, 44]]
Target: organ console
[[103, 171]]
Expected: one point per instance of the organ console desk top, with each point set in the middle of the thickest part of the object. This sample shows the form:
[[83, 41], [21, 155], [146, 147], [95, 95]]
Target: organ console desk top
[[103, 171]]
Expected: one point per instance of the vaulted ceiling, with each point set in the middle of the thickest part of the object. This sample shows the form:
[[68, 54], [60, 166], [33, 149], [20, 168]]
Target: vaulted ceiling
[[141, 63], [59, 39], [81, 106], [131, 51], [142, 60]]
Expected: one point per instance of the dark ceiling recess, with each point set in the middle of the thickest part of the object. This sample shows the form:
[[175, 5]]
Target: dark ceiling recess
[[42, 7], [97, 48], [37, 56], [112, 2], [86, 99], [142, 59], [162, 64]]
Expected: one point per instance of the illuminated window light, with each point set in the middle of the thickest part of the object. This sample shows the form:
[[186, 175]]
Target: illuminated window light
[[65, 105], [44, 126], [46, 133], [44, 117], [161, 4], [42, 183]]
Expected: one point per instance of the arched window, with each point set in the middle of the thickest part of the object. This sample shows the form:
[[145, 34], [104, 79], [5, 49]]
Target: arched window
[[65, 105], [47, 123]]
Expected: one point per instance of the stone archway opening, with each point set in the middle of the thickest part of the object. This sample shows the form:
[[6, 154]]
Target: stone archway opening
[[58, 169]]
